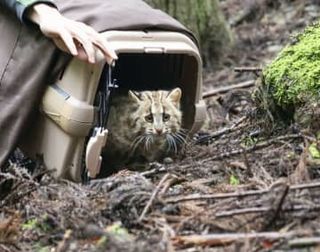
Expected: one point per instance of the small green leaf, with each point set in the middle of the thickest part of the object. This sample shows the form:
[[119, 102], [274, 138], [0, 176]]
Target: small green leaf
[[117, 229], [248, 141], [30, 224], [234, 180], [314, 151], [43, 249], [102, 241]]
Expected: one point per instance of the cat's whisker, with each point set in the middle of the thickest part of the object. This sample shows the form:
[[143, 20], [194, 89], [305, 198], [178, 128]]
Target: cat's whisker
[[148, 142], [174, 144], [136, 142], [138, 139], [168, 140], [183, 132], [179, 138]]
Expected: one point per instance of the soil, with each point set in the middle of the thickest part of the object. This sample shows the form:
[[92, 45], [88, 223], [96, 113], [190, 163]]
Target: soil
[[240, 185]]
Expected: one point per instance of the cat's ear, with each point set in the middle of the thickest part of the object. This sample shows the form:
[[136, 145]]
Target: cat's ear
[[134, 96], [175, 96]]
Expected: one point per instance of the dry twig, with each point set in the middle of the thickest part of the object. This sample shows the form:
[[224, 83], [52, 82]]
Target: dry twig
[[192, 197], [221, 90], [224, 239], [154, 194], [247, 69], [304, 242], [251, 148]]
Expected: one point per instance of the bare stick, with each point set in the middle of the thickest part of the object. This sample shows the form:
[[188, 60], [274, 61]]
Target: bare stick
[[243, 211], [247, 69], [223, 239], [169, 183], [64, 245], [278, 207], [252, 148], [154, 194], [251, 210], [305, 186], [223, 131], [307, 241], [221, 90], [4, 248], [154, 171], [215, 196], [235, 194]]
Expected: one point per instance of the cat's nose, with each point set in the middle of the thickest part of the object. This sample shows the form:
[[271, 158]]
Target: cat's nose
[[159, 131]]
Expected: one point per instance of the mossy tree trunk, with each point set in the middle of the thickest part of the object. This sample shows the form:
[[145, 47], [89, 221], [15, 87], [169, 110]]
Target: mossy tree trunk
[[205, 19]]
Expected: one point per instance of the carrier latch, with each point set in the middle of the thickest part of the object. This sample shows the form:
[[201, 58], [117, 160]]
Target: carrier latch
[[99, 135], [94, 147]]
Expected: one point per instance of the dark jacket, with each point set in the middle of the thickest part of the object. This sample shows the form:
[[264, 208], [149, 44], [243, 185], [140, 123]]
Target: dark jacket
[[20, 7], [23, 71]]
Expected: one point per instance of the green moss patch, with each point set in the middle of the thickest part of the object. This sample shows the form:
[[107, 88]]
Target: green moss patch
[[294, 76]]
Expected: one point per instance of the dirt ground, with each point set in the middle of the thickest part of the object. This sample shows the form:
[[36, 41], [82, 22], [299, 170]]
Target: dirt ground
[[240, 184]]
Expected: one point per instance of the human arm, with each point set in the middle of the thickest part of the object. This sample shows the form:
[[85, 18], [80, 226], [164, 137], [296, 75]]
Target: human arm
[[73, 37], [21, 7]]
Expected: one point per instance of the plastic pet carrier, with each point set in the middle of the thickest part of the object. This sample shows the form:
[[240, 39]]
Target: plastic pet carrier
[[147, 61]]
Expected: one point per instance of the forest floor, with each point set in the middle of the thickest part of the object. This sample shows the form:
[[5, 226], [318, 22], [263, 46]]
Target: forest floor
[[235, 188]]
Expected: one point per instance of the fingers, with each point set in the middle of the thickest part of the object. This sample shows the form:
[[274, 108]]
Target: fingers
[[69, 43], [100, 43], [108, 53], [86, 43], [90, 40], [79, 39], [74, 37]]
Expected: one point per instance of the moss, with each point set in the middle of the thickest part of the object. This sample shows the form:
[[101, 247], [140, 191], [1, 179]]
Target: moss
[[294, 76]]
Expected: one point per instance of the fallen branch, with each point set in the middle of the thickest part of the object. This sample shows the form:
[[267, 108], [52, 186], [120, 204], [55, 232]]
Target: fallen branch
[[154, 171], [247, 69], [215, 196], [281, 194], [221, 90], [304, 242], [64, 245], [305, 186], [251, 210], [224, 239], [154, 194], [252, 148], [235, 194], [221, 132]]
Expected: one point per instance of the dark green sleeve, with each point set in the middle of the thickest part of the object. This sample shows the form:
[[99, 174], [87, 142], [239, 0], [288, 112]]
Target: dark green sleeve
[[19, 7]]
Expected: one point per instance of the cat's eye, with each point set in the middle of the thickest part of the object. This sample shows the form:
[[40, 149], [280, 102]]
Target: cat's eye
[[166, 117], [149, 118]]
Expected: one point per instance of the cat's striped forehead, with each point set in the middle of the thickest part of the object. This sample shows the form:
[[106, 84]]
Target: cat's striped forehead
[[156, 100]]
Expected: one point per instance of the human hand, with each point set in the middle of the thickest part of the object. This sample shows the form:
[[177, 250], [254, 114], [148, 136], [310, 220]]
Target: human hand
[[73, 37]]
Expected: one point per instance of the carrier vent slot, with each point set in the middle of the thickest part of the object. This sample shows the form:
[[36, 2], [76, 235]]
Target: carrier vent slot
[[149, 71]]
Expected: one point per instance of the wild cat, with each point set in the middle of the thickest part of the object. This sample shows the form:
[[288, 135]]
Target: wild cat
[[143, 127]]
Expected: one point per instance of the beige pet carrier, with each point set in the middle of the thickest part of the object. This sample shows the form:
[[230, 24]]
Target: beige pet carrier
[[147, 60]]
